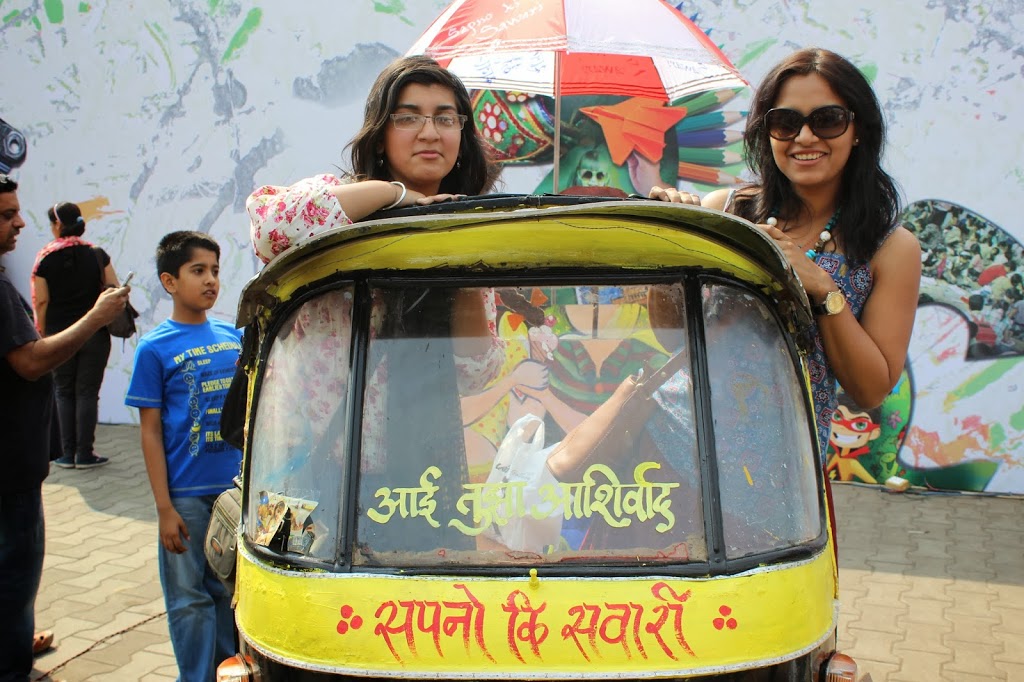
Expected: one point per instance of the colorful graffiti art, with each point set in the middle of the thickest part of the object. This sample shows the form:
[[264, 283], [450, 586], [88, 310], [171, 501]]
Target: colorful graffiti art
[[969, 337]]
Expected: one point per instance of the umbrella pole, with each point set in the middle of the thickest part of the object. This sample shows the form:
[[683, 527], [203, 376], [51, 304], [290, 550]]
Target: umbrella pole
[[555, 187]]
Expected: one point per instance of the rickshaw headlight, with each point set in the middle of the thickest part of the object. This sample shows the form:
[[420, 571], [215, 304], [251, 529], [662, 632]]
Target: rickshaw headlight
[[238, 668], [840, 668]]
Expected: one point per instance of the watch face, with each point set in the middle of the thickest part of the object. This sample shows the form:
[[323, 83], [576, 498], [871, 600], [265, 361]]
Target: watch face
[[835, 302]]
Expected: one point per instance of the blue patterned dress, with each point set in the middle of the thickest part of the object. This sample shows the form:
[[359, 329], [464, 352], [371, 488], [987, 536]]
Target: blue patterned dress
[[855, 282]]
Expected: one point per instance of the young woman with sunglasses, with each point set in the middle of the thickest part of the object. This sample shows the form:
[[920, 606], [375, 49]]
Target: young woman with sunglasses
[[814, 140]]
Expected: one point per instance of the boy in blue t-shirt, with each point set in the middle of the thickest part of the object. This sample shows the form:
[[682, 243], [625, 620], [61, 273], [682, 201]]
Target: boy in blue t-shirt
[[182, 372]]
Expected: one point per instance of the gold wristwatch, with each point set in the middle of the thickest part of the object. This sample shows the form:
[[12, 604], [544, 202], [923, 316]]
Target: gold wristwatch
[[832, 305]]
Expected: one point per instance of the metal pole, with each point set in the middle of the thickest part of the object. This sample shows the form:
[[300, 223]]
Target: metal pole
[[558, 121]]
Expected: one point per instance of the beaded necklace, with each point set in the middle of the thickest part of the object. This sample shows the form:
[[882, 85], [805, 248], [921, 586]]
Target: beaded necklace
[[823, 238]]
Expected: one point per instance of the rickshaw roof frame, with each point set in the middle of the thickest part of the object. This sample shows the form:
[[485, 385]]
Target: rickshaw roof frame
[[728, 233]]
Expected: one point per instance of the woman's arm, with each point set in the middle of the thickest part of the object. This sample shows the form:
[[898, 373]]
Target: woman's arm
[[40, 301], [109, 276], [868, 356], [360, 199], [716, 199], [282, 217]]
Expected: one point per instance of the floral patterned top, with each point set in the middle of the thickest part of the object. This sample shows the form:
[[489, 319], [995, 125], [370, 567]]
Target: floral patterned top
[[283, 217]]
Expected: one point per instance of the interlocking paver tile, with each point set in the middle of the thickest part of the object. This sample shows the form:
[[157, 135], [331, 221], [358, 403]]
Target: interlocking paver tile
[[878, 670], [970, 629], [976, 659], [882, 593], [82, 669], [880, 618], [926, 587], [1013, 671], [876, 646], [923, 637], [961, 676], [924, 666], [121, 649], [932, 611]]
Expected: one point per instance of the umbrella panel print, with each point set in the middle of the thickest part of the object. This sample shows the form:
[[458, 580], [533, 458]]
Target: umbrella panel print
[[639, 60], [644, 48]]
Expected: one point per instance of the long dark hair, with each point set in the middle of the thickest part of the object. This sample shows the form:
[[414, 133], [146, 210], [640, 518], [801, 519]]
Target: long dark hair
[[475, 173], [868, 196], [69, 218]]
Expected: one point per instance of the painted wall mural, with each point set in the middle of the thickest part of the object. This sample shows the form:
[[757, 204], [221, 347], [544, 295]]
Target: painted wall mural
[[165, 117]]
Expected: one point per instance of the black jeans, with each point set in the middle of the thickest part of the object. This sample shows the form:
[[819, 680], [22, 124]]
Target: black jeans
[[78, 395], [21, 566]]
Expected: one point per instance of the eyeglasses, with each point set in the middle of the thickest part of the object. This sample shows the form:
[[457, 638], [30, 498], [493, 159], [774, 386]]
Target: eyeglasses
[[825, 122], [441, 121], [589, 174]]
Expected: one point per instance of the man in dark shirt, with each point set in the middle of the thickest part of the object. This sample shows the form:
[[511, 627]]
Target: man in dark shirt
[[26, 411]]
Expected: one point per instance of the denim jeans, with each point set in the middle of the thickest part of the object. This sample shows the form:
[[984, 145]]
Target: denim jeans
[[199, 613], [78, 395], [21, 567]]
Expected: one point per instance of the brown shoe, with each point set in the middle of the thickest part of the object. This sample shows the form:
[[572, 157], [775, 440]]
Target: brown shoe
[[43, 642]]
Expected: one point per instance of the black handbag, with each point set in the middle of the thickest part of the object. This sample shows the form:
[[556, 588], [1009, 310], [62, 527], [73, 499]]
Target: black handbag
[[123, 326]]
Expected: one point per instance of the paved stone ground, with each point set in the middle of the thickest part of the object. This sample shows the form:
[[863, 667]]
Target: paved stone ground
[[932, 587]]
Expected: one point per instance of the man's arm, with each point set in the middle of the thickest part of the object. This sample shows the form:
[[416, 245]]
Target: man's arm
[[34, 359], [171, 525]]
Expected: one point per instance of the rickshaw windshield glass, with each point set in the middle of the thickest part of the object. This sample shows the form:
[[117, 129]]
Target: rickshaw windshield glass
[[767, 468], [503, 426], [299, 459]]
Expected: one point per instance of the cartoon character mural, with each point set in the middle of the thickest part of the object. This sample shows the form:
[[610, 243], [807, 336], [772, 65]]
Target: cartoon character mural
[[625, 145], [853, 430]]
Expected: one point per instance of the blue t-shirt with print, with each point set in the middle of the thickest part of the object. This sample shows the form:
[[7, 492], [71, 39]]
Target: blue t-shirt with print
[[185, 370]]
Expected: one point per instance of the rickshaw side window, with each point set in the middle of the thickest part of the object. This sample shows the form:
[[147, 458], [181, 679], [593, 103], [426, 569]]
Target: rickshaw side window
[[766, 462], [476, 406], [297, 477]]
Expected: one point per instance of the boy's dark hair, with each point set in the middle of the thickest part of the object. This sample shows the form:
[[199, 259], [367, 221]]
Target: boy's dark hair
[[7, 183], [175, 249]]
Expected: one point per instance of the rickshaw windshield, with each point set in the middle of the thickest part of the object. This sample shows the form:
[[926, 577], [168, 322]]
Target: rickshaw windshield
[[545, 424]]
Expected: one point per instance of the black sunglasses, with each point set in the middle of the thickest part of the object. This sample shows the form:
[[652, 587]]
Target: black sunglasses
[[825, 122]]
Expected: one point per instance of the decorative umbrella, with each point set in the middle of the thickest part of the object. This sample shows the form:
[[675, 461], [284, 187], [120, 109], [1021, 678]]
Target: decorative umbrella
[[640, 48]]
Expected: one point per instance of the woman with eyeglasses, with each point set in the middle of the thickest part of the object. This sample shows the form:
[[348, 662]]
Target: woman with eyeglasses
[[415, 147], [814, 141]]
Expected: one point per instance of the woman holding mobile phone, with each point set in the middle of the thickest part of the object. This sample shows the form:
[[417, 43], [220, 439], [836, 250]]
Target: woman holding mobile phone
[[67, 278]]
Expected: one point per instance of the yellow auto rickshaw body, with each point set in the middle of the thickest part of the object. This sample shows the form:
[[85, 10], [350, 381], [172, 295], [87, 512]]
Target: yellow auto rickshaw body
[[706, 559]]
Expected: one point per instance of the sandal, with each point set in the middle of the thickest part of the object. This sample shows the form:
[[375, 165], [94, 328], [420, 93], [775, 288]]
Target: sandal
[[43, 642]]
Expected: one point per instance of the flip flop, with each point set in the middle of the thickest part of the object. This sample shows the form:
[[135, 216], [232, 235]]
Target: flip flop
[[43, 642]]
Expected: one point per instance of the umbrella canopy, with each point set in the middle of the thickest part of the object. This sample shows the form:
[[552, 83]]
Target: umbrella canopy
[[644, 49]]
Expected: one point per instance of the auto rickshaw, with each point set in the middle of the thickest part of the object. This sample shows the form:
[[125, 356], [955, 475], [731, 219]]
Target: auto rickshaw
[[533, 438]]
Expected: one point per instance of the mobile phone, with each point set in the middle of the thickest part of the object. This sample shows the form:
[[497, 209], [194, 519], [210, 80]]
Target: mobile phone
[[128, 279]]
